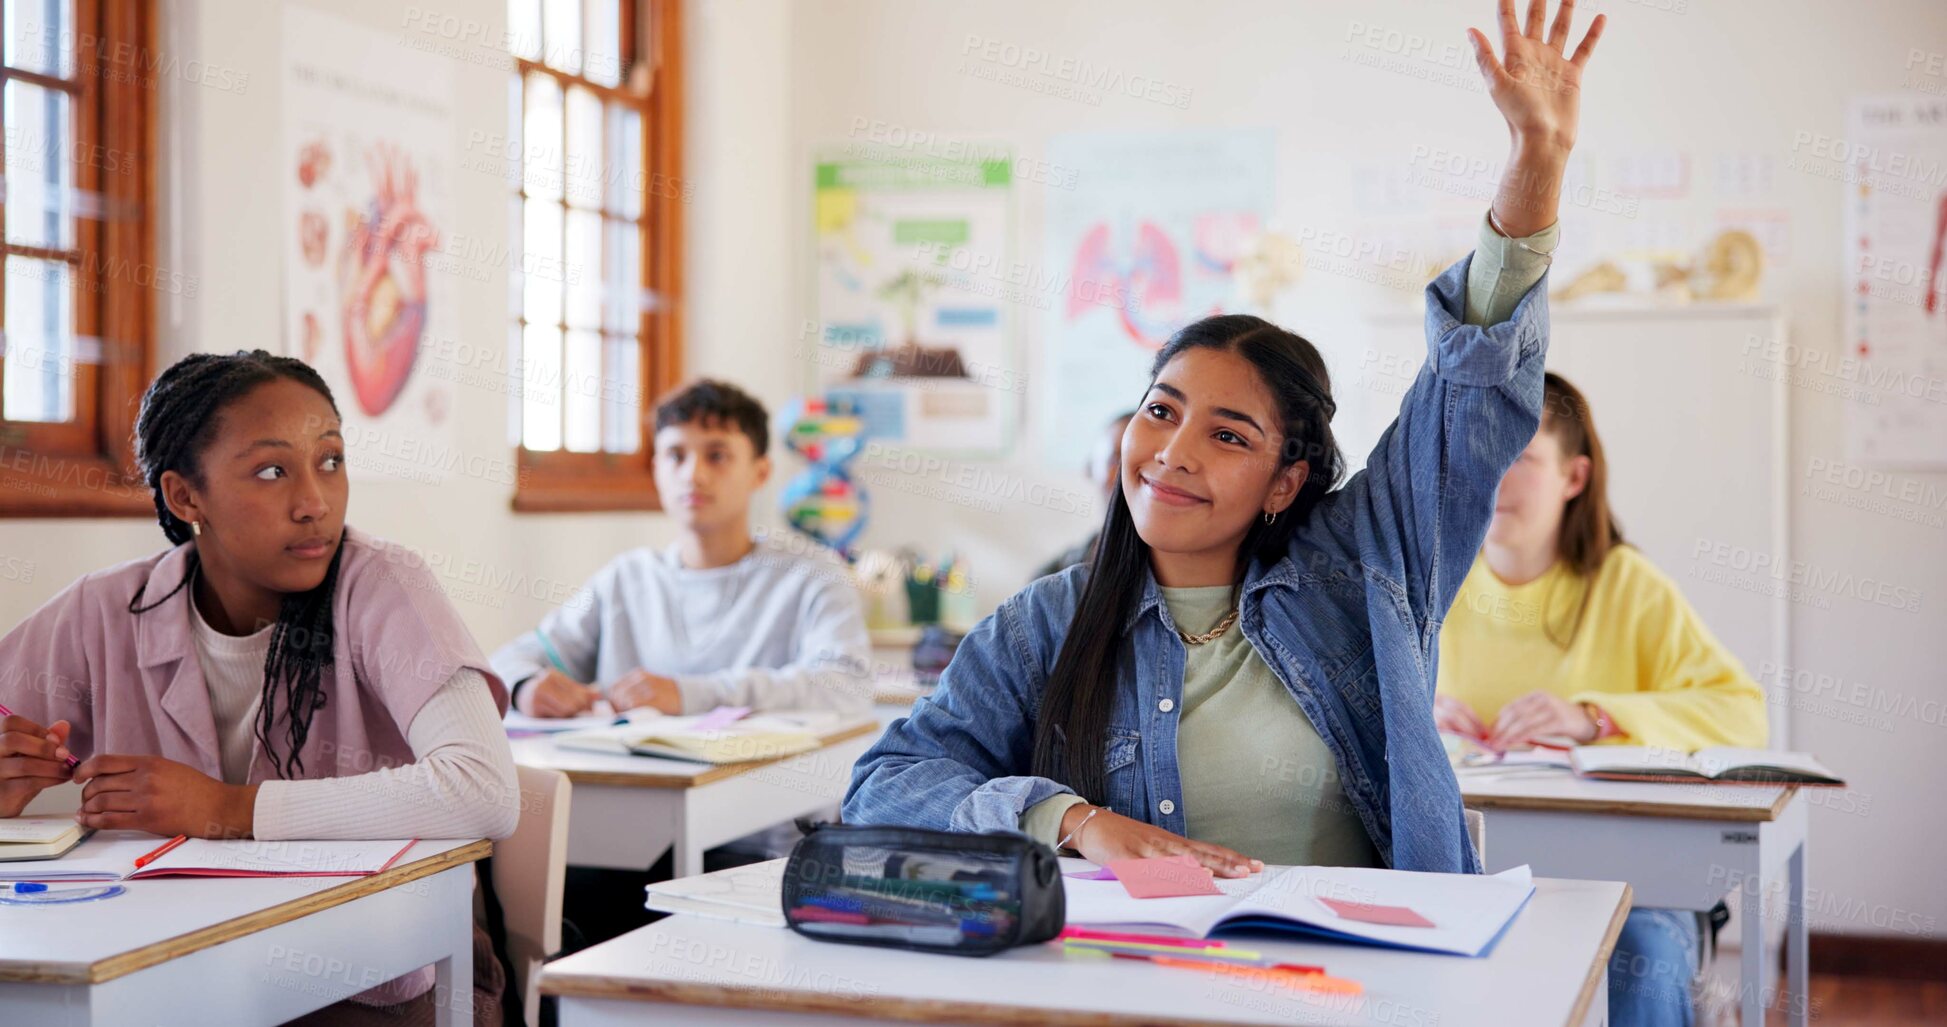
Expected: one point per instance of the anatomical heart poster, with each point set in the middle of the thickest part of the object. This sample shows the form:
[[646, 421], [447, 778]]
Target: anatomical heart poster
[[367, 167], [1144, 246]]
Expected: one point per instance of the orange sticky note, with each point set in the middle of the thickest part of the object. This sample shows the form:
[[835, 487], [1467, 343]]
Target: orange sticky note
[[1163, 878]]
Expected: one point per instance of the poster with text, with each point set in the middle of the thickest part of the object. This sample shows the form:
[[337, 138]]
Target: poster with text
[[1894, 156], [366, 161], [1144, 245], [915, 284]]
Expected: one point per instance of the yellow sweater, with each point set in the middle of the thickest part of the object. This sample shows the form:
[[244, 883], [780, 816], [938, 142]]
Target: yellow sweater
[[1640, 652]]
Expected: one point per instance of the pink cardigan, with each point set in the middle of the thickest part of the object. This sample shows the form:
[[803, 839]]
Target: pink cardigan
[[130, 683]]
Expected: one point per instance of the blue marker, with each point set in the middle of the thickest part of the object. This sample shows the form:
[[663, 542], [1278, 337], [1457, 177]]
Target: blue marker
[[28, 887]]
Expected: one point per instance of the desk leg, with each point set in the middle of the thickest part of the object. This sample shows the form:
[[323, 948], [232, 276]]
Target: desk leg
[[453, 976], [1751, 955], [1798, 949]]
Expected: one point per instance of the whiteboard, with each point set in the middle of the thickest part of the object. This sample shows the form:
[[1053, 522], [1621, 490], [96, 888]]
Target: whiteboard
[[1696, 433]]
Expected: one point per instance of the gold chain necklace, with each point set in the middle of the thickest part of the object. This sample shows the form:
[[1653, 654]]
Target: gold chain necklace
[[1214, 633]]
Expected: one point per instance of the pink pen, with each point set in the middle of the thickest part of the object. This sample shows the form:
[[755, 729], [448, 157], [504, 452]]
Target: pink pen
[[1085, 934], [72, 762]]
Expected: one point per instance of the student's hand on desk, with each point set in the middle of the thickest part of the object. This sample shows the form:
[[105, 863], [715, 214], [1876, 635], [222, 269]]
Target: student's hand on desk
[[1110, 836], [555, 694], [1457, 718], [641, 688], [1539, 714], [161, 796], [32, 757]]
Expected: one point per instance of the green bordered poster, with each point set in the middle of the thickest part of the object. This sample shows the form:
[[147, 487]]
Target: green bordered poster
[[915, 294]]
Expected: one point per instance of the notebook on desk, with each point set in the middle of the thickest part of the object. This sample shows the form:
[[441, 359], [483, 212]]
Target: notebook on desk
[[112, 856], [1723, 764], [764, 736], [35, 838]]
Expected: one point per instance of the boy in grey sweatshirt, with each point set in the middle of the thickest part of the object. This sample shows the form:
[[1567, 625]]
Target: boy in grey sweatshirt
[[716, 618]]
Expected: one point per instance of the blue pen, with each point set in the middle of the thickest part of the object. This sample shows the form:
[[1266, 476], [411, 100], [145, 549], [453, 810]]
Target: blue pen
[[553, 657], [28, 887]]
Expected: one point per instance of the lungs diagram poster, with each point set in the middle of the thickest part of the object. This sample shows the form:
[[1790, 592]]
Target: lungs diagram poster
[[914, 287], [1895, 153], [367, 166], [1144, 244]]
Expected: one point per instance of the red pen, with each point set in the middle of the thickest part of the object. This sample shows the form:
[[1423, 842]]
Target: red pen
[[161, 851], [72, 762]]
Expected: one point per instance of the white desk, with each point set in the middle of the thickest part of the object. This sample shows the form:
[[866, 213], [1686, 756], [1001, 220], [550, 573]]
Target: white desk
[[625, 810], [1679, 846], [243, 950], [1548, 968]]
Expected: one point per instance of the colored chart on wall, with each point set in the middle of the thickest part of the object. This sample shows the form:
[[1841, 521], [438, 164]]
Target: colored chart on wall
[[1144, 245], [1896, 279], [914, 296], [366, 166]]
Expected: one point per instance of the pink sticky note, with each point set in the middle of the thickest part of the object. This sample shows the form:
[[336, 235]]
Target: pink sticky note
[[1163, 878], [720, 718], [1106, 874], [1368, 913]]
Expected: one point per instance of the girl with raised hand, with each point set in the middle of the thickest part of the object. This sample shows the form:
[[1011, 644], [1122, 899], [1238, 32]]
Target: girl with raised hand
[[1244, 671]]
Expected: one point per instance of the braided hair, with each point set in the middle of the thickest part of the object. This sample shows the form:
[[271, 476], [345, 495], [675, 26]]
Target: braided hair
[[178, 419]]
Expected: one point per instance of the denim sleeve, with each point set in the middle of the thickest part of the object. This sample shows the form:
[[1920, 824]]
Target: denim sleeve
[[960, 762], [1420, 507]]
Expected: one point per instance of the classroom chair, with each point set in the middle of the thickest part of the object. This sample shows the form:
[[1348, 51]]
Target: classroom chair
[[529, 867]]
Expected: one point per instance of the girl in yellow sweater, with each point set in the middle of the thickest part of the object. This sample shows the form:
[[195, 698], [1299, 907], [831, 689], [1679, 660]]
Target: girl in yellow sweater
[[1560, 629]]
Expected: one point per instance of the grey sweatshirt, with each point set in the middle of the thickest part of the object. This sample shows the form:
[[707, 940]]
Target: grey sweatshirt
[[775, 630]]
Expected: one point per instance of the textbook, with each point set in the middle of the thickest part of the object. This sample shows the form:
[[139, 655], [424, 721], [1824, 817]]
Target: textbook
[[38, 837], [134, 855], [1722, 764], [1456, 914], [759, 737]]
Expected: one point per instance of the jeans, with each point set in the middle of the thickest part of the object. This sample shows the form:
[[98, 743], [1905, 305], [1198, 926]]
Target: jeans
[[1650, 974]]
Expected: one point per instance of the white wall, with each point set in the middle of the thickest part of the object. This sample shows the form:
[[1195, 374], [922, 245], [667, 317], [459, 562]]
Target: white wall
[[769, 78], [1709, 80]]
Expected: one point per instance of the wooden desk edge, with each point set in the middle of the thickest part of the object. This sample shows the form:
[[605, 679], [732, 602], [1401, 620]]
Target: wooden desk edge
[[1580, 1013], [709, 774], [215, 934], [1625, 807], [574, 985]]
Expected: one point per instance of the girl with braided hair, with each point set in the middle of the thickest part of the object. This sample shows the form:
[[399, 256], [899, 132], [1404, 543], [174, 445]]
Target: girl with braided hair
[[275, 674]]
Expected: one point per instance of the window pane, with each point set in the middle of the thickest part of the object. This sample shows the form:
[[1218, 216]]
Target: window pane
[[541, 387], [516, 280], [541, 263], [622, 403], [602, 56], [625, 182], [582, 269], [563, 35], [622, 278], [39, 175], [41, 36], [541, 138], [582, 388], [39, 341], [584, 165], [524, 28]]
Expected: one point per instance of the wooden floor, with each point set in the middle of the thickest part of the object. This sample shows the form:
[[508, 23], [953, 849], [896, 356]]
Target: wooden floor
[[1843, 1002]]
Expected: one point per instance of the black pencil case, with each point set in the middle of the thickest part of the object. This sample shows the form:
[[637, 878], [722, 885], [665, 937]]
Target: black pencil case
[[914, 888]]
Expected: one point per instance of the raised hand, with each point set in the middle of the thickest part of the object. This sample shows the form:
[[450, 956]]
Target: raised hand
[[1537, 86]]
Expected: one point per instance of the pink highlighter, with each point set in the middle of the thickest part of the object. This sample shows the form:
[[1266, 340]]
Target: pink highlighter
[[72, 762]]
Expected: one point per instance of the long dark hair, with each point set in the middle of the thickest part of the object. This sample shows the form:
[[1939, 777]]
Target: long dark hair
[[1589, 526], [179, 417], [1072, 726]]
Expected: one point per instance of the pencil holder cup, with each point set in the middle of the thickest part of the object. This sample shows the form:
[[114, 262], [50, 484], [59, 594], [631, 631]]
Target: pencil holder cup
[[913, 888]]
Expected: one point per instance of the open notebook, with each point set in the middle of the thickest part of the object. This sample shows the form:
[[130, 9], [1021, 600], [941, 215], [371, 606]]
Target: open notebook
[[764, 736], [751, 894], [1467, 911], [111, 856], [1722, 764]]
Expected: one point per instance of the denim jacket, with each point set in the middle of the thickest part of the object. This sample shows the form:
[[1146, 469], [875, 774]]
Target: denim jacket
[[1349, 620]]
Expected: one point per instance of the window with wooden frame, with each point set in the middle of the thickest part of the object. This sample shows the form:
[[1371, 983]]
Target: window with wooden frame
[[77, 112], [596, 119]]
